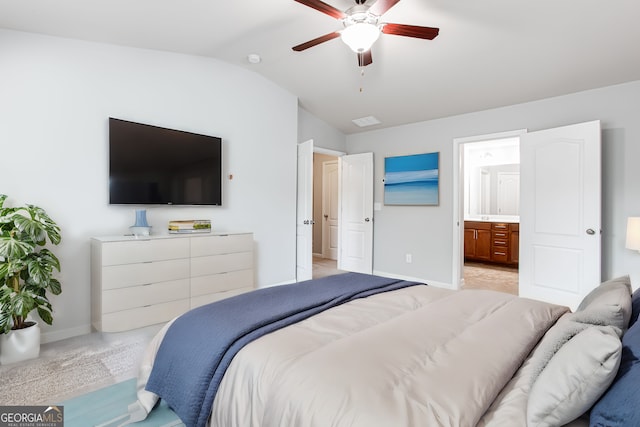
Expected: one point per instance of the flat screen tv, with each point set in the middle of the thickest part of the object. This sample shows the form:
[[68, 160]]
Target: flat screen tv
[[150, 165]]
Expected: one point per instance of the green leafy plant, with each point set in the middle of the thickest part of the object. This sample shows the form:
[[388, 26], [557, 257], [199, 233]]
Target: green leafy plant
[[26, 266]]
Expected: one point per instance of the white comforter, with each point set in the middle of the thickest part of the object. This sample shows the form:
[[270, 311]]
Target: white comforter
[[420, 356]]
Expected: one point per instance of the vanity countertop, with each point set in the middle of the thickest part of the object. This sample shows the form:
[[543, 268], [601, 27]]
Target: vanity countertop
[[494, 218]]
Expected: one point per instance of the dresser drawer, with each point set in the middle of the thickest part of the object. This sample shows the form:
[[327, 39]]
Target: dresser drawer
[[500, 234], [209, 298], [477, 225], [225, 263], [203, 285], [140, 296], [500, 243], [122, 276], [221, 244], [135, 251], [499, 255], [143, 316], [499, 226]]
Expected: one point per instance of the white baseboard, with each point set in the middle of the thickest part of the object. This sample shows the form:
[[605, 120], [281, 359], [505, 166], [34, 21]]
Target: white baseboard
[[415, 279], [64, 334], [288, 282]]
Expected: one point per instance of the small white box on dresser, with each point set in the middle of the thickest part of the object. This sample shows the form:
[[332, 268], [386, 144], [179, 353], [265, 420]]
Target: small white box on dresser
[[137, 282]]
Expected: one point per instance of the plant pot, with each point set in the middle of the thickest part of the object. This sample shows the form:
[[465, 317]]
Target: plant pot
[[20, 344]]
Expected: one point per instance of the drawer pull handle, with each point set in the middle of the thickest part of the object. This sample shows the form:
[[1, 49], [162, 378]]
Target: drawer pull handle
[[500, 234], [499, 253]]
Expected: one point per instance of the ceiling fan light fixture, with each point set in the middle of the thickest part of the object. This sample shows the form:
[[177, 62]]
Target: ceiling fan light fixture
[[360, 36]]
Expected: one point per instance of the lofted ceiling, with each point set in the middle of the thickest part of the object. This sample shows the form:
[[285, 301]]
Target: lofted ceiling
[[489, 53]]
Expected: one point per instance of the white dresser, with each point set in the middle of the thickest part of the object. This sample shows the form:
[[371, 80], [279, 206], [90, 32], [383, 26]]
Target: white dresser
[[137, 282]]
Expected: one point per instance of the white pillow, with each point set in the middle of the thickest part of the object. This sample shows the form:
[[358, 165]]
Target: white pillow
[[575, 377]]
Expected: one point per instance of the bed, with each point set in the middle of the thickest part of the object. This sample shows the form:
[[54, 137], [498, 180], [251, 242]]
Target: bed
[[361, 350]]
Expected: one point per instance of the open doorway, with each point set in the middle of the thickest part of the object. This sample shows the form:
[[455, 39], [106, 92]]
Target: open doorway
[[491, 202], [326, 225], [560, 204], [355, 211]]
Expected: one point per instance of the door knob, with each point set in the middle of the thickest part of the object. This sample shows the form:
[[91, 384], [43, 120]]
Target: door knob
[[305, 222], [367, 220], [326, 216], [590, 232]]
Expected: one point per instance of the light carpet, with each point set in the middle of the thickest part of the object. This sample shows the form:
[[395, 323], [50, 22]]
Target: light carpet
[[323, 267], [65, 373]]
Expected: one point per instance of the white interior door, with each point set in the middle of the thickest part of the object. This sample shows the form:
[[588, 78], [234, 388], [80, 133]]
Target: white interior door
[[508, 193], [355, 246], [304, 212], [330, 218], [560, 213]]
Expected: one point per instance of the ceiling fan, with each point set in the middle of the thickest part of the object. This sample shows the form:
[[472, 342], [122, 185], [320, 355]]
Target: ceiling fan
[[362, 27]]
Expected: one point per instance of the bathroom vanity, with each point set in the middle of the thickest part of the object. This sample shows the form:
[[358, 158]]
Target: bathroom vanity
[[492, 241]]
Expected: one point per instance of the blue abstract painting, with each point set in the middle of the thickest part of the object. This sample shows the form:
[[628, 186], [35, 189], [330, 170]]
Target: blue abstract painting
[[411, 180]]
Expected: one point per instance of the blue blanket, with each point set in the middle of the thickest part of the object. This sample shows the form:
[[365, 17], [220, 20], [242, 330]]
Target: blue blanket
[[199, 346]]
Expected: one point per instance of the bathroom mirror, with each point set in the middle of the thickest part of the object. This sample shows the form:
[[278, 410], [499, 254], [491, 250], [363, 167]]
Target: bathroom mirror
[[492, 179], [498, 189]]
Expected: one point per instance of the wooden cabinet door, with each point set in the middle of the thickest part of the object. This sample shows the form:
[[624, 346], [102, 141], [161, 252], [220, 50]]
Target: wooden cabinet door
[[515, 247], [469, 243], [483, 245]]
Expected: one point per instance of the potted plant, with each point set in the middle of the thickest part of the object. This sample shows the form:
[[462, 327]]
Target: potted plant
[[26, 277]]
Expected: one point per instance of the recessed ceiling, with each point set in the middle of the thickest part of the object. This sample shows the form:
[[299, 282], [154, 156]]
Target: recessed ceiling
[[488, 54]]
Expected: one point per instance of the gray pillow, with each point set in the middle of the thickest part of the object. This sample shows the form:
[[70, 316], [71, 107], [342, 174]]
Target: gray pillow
[[575, 377], [608, 304]]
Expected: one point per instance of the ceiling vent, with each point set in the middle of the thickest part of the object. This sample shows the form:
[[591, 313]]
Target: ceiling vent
[[366, 121]]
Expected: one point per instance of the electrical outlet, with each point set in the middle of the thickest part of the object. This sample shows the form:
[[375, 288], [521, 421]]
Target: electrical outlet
[[408, 258]]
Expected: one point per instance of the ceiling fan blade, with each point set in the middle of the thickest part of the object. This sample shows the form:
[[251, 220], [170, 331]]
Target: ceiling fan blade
[[416, 31], [323, 7], [381, 6], [364, 58], [316, 41]]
